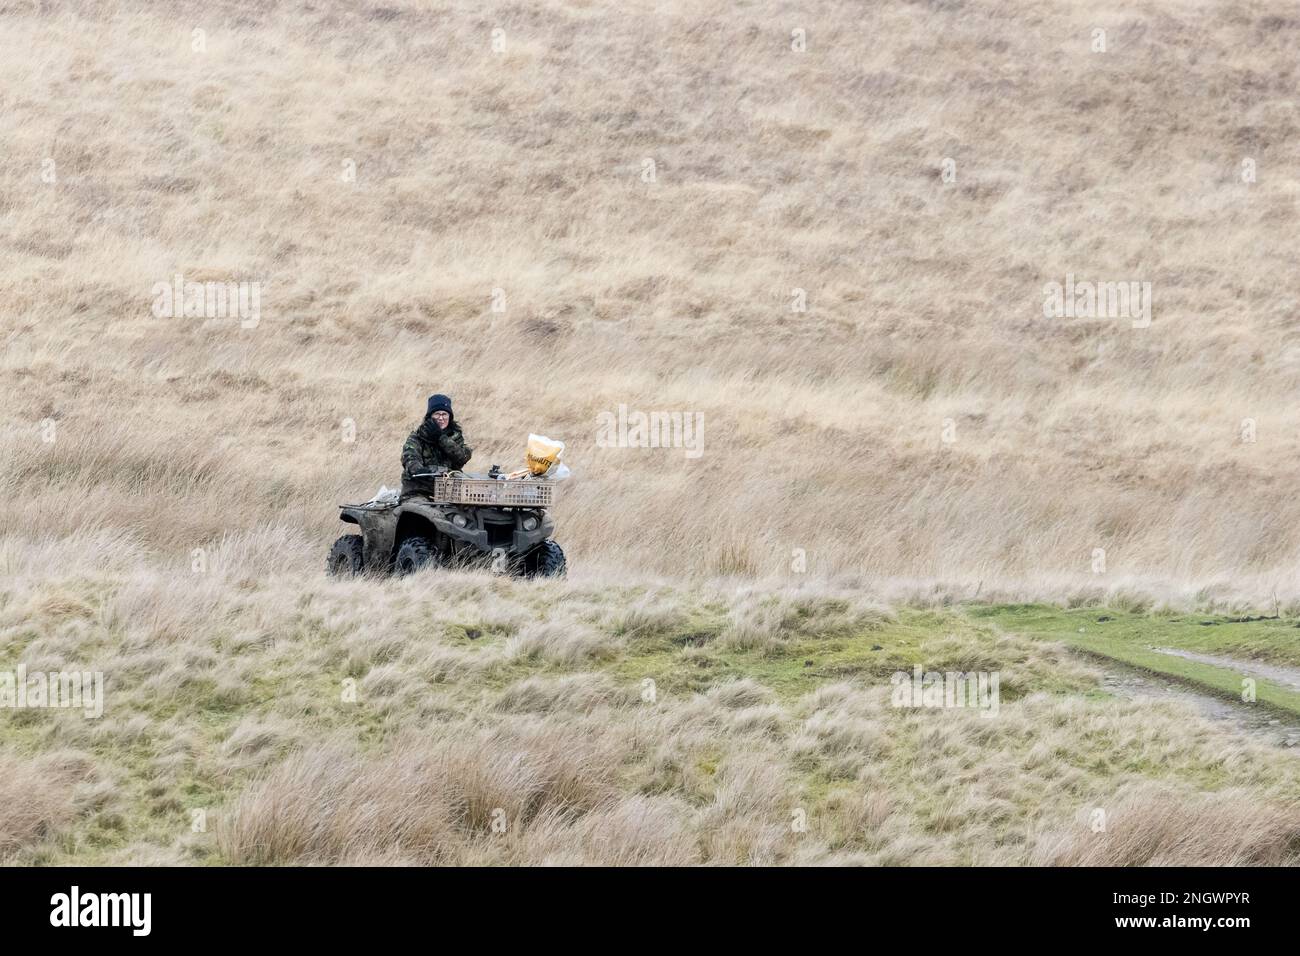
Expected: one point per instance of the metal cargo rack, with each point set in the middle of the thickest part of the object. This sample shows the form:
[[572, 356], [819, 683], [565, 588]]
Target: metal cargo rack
[[493, 492]]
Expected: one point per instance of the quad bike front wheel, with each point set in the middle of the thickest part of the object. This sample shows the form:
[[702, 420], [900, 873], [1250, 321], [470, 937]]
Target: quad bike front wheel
[[545, 561], [347, 557], [414, 554]]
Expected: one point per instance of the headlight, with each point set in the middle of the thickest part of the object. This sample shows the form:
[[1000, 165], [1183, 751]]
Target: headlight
[[458, 521], [530, 523]]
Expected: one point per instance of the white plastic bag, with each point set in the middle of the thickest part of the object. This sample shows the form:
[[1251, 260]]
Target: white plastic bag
[[384, 496]]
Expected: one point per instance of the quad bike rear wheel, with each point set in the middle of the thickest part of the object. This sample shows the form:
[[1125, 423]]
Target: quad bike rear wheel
[[545, 561], [347, 557], [414, 554]]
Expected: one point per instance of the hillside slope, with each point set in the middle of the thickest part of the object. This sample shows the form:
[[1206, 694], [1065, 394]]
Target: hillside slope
[[388, 180]]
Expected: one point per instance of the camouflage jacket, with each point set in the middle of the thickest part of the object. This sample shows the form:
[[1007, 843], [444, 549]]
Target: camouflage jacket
[[424, 452]]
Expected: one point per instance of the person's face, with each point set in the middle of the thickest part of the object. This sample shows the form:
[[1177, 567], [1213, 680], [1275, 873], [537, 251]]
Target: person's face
[[442, 418]]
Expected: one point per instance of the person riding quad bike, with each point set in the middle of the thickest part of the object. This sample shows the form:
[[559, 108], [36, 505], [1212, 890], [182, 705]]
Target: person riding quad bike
[[436, 445], [448, 519]]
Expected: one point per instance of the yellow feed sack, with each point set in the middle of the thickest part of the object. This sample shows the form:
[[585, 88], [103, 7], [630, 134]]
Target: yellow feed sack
[[542, 453]]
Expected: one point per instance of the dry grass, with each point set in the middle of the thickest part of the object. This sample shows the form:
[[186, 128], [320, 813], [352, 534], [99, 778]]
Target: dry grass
[[170, 529], [403, 722], [39, 797], [423, 804], [774, 170], [1162, 828]]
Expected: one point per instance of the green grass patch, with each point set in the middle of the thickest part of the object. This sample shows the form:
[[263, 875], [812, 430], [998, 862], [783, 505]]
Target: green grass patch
[[937, 640], [1132, 638]]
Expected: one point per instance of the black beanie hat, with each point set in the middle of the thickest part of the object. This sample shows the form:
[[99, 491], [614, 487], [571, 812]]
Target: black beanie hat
[[438, 403]]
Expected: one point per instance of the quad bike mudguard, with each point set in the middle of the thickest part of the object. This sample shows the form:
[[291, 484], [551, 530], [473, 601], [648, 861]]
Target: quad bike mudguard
[[378, 528]]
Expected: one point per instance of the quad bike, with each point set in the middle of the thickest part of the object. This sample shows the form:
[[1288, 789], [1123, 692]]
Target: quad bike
[[453, 520]]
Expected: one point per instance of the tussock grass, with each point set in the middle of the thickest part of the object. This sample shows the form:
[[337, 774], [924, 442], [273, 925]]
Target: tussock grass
[[1157, 827], [306, 734], [716, 669], [776, 171], [40, 797]]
